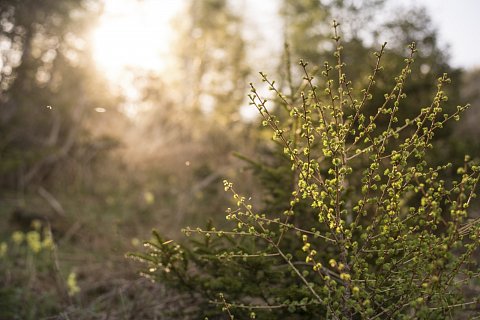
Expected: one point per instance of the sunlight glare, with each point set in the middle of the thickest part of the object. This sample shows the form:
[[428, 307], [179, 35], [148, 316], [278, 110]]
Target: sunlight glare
[[133, 34]]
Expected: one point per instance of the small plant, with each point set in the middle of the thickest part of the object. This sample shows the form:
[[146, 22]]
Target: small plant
[[371, 230], [30, 281]]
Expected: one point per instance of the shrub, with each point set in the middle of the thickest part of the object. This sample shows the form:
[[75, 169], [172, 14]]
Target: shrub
[[370, 230]]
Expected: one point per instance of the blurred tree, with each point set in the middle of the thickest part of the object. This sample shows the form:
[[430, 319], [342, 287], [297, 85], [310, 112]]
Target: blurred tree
[[307, 25], [467, 134], [308, 34], [188, 112], [49, 86], [211, 63]]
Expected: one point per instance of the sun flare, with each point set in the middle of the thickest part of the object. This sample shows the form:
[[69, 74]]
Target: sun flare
[[133, 34]]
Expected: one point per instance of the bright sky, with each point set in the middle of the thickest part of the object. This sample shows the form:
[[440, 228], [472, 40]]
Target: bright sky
[[137, 33], [459, 24], [134, 33]]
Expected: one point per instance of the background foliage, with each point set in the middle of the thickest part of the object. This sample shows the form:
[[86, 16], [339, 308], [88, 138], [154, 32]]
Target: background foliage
[[77, 176]]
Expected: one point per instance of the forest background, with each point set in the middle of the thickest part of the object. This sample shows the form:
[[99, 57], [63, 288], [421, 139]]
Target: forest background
[[88, 168]]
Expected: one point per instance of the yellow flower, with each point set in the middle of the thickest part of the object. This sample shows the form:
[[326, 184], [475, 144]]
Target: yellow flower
[[36, 224], [72, 285], [47, 242], [3, 249], [18, 237], [33, 241]]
